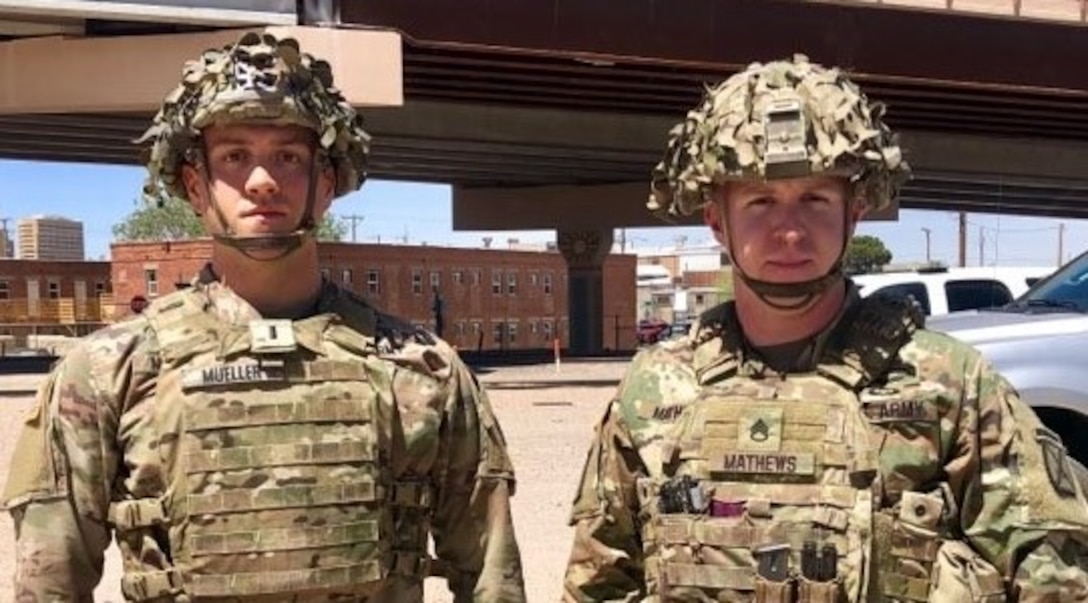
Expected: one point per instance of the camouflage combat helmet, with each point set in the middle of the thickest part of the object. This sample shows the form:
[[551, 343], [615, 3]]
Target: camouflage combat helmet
[[258, 78], [779, 120]]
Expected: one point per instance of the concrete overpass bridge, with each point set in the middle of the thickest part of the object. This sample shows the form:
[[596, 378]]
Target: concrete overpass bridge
[[549, 114]]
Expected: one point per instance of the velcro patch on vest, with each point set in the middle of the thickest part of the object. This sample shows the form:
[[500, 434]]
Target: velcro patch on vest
[[897, 411], [764, 463], [235, 373], [760, 429]]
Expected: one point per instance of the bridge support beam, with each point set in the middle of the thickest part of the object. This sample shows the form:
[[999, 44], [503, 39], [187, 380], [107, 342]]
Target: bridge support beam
[[585, 251]]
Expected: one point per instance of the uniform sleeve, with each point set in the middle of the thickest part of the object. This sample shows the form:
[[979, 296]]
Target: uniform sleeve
[[58, 491], [473, 530], [606, 561], [1023, 508]]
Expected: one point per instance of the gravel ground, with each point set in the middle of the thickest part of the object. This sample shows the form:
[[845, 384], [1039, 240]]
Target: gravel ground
[[548, 418]]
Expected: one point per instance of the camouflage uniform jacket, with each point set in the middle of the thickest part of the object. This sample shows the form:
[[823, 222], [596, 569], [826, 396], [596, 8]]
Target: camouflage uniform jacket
[[1013, 498], [88, 440]]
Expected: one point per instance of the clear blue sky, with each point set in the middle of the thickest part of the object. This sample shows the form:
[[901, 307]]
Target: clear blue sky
[[102, 195]]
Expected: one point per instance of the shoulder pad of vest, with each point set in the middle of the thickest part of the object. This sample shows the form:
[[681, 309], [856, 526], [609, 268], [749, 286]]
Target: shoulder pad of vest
[[879, 327], [356, 312], [171, 302], [396, 332]]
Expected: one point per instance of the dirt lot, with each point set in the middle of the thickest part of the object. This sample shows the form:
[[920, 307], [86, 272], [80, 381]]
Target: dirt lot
[[548, 419]]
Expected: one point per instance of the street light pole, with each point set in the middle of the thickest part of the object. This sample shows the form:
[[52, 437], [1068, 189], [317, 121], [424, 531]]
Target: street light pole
[[927, 231]]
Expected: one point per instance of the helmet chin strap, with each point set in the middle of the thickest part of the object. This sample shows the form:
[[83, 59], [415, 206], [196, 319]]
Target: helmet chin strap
[[285, 243], [804, 292]]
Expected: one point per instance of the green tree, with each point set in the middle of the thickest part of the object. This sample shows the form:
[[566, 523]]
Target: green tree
[[725, 285], [331, 228], [864, 254], [174, 220]]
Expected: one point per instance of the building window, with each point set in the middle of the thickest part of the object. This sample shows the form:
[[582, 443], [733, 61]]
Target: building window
[[325, 273], [512, 331], [459, 328], [699, 299], [345, 276], [99, 288], [53, 290], [546, 328], [151, 281], [373, 282], [5, 290], [476, 277], [547, 281], [512, 283], [532, 327], [496, 332], [417, 282], [532, 279], [476, 327], [458, 277], [496, 282], [436, 280]]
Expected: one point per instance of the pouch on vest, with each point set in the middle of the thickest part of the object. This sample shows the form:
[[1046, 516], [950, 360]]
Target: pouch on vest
[[961, 574]]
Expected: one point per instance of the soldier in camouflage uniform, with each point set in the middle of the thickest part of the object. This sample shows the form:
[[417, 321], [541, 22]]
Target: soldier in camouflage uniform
[[264, 435], [802, 443]]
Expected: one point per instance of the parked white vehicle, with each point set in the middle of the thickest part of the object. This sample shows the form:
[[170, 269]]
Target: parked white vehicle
[[943, 290]]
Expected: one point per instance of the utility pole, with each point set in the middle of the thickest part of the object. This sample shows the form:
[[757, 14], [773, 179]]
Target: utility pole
[[963, 239], [354, 219], [927, 231], [1061, 243], [981, 247]]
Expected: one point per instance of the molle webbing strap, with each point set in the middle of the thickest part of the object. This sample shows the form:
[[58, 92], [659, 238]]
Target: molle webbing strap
[[904, 588], [277, 455], [332, 370], [818, 592], [250, 584], [139, 513], [310, 411], [774, 592], [708, 576], [151, 586], [284, 539], [797, 495], [683, 531], [286, 497]]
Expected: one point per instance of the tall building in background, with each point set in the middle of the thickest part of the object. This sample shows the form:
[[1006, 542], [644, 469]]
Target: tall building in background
[[50, 238], [7, 245]]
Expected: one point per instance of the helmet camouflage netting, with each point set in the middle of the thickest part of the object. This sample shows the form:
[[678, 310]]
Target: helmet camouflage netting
[[259, 78], [835, 127]]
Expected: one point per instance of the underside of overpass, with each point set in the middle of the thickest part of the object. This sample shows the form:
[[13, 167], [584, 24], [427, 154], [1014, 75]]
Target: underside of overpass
[[550, 114], [541, 93]]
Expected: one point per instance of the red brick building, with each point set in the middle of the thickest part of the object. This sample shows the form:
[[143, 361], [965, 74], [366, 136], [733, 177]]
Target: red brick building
[[48, 292], [490, 298]]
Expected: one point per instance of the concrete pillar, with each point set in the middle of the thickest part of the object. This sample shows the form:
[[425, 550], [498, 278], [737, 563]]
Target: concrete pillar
[[584, 251]]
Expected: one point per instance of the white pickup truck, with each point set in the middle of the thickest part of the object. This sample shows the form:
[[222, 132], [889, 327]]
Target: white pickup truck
[[1040, 343]]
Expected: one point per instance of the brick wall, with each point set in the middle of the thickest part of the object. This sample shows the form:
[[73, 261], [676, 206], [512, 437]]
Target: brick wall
[[492, 298]]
